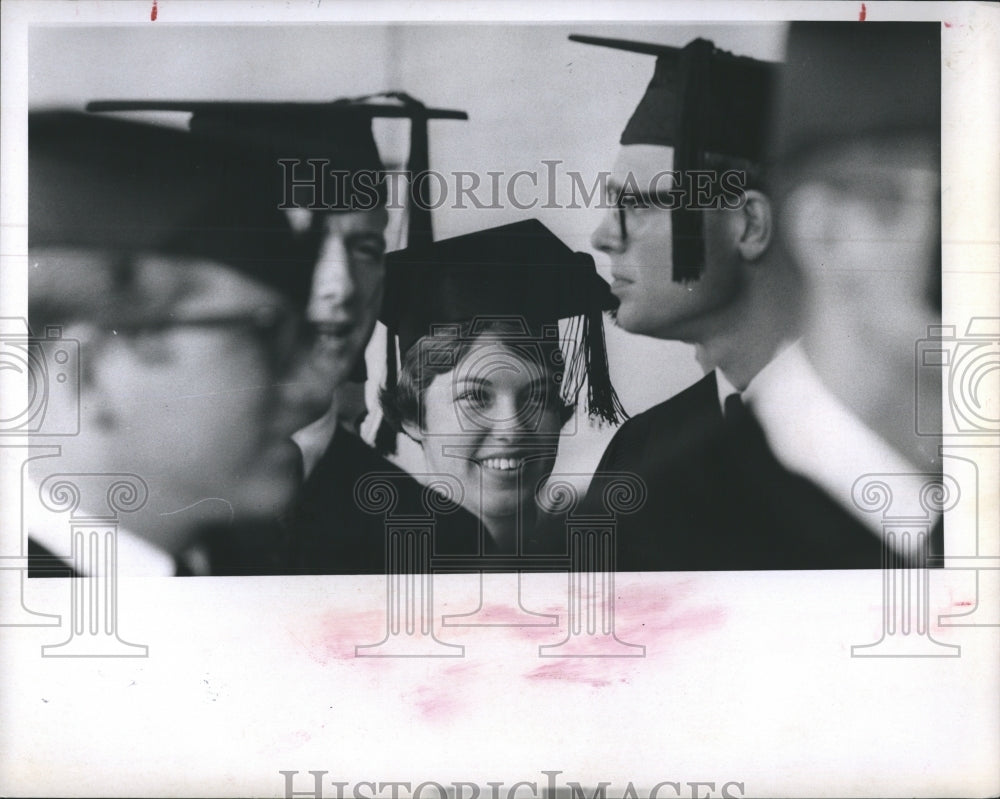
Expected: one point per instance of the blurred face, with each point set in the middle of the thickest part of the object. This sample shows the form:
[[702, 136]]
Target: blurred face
[[651, 303], [347, 290], [864, 226], [190, 397], [493, 422], [875, 206]]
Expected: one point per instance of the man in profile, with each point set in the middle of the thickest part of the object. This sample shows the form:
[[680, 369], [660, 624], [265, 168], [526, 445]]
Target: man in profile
[[689, 264], [158, 250]]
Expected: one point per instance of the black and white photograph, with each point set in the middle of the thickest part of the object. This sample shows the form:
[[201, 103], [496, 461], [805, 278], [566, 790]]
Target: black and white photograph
[[536, 401]]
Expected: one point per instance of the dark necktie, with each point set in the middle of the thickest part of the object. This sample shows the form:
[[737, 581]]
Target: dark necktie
[[735, 410]]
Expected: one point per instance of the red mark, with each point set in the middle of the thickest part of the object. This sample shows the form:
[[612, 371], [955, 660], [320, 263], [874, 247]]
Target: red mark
[[947, 24], [964, 604], [521, 623], [339, 633], [152, 13], [579, 671], [863, 14], [440, 699], [659, 620]]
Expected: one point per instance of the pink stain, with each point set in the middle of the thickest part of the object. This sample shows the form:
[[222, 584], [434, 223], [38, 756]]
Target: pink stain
[[439, 700], [578, 670], [503, 615], [511, 619], [339, 634], [654, 619], [864, 13]]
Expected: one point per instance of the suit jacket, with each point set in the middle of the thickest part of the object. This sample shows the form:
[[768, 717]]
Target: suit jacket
[[718, 498]]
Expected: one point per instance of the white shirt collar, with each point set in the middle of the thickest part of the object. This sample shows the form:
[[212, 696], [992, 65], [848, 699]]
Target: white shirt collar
[[136, 556], [815, 435], [314, 439], [724, 387], [727, 388]]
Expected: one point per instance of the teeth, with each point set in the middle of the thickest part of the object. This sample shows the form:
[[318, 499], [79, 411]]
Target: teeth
[[500, 464]]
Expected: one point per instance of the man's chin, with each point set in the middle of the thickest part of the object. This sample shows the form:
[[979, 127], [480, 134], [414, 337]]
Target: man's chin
[[622, 319]]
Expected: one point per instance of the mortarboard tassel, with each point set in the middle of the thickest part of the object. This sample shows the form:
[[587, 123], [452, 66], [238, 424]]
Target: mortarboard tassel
[[602, 399], [419, 231], [385, 435], [688, 240]]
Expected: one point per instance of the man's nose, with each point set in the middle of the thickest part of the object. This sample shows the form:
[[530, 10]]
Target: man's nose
[[607, 236], [334, 280]]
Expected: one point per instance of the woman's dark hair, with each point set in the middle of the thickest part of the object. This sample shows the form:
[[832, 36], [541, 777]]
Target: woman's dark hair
[[439, 354]]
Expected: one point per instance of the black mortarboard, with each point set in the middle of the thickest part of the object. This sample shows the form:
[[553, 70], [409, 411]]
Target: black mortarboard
[[700, 100], [849, 80], [132, 187], [520, 270], [339, 131]]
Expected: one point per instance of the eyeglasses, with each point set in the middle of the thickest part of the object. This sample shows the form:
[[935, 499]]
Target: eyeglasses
[[627, 202], [278, 330]]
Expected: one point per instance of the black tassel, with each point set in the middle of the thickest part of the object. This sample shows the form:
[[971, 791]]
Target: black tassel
[[575, 370], [688, 235], [385, 436], [602, 399], [419, 231]]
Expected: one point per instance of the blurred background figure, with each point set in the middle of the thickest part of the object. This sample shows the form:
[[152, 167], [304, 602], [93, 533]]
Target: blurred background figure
[[858, 147], [161, 253], [325, 172], [857, 151]]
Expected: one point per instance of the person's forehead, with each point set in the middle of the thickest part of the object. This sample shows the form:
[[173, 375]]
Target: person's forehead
[[642, 162], [344, 223], [490, 357]]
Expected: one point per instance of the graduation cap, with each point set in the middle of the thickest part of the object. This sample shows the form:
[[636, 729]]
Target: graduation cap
[[517, 271], [339, 132], [847, 80], [132, 187], [701, 100]]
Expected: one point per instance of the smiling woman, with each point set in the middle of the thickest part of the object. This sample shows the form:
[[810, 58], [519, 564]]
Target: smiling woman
[[484, 385], [484, 403]]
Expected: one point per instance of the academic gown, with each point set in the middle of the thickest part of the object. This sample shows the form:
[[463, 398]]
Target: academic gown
[[44, 563], [330, 533], [717, 498]]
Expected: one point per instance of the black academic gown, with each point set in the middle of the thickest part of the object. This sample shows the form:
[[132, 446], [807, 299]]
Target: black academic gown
[[43, 563], [718, 499], [330, 533]]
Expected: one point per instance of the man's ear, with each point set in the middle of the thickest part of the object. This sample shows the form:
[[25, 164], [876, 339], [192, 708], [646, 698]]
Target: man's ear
[[413, 431], [757, 221]]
